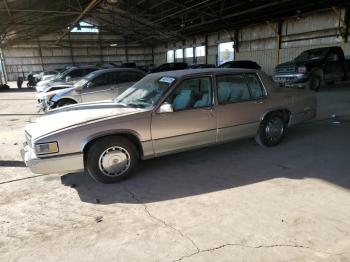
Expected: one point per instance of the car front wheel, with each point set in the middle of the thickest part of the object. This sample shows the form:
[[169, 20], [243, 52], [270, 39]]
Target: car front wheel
[[111, 159], [272, 130], [315, 82]]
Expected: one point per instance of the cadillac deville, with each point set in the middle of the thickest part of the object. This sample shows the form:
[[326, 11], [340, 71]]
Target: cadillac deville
[[161, 114]]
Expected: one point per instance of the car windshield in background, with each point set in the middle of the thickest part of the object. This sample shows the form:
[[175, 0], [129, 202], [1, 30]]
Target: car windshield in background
[[62, 74], [145, 93], [85, 79], [313, 54]]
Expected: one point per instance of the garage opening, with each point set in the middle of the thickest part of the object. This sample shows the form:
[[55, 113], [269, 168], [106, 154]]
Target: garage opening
[[226, 52]]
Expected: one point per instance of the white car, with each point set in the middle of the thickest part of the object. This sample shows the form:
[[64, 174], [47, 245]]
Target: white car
[[99, 85], [68, 76]]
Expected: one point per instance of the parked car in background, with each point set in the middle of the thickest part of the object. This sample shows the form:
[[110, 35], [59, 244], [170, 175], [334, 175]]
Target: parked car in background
[[241, 64], [164, 113], [314, 67], [105, 84], [107, 65], [170, 67], [68, 76], [128, 65], [46, 75], [198, 66]]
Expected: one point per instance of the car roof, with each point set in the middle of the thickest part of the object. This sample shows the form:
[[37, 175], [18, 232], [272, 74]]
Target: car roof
[[188, 72], [101, 71]]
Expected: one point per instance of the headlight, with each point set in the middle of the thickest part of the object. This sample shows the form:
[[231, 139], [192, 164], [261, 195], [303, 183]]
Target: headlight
[[302, 69], [46, 148]]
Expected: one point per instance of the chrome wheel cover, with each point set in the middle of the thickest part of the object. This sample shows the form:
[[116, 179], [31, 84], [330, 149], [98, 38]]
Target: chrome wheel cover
[[114, 161], [274, 129]]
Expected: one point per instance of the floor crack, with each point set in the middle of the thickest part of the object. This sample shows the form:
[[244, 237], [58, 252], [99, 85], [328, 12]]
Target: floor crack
[[254, 247], [138, 200]]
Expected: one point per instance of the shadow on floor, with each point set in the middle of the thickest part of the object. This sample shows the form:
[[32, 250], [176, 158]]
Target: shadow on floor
[[11, 163], [315, 150], [17, 90]]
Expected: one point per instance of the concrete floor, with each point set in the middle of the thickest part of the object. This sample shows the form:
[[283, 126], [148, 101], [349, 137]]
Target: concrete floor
[[234, 202]]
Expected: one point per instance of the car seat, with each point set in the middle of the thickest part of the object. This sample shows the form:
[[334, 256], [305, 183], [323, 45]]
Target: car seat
[[183, 100], [204, 101], [224, 91]]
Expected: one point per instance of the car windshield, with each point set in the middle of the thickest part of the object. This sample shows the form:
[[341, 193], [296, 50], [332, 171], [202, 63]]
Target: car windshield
[[225, 65], [147, 92], [313, 54], [63, 74], [85, 79]]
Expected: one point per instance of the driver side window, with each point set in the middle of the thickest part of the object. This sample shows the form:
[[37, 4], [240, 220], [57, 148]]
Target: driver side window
[[100, 80], [191, 94], [332, 56]]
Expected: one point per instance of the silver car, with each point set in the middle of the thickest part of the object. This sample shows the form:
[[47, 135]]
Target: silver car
[[99, 85], [164, 113], [68, 76]]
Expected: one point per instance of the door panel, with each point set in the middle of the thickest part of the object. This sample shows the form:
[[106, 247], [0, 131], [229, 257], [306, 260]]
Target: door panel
[[98, 93], [334, 68], [182, 130], [237, 120], [102, 88], [241, 101], [193, 122]]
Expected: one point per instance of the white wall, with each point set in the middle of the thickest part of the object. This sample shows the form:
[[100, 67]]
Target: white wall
[[42, 54], [258, 42]]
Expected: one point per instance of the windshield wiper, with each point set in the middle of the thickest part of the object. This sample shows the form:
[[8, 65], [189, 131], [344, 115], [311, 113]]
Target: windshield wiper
[[121, 104], [136, 105]]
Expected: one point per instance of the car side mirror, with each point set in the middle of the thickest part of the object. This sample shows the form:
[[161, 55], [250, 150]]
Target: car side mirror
[[166, 108], [68, 78]]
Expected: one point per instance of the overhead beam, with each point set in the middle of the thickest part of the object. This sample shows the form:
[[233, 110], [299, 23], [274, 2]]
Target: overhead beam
[[39, 11], [7, 8], [271, 4], [92, 4]]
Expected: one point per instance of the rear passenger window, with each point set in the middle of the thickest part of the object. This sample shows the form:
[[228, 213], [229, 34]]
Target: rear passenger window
[[232, 89], [255, 86], [100, 80], [76, 73], [125, 77], [192, 93]]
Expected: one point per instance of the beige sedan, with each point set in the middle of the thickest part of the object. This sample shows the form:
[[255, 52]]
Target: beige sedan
[[162, 114]]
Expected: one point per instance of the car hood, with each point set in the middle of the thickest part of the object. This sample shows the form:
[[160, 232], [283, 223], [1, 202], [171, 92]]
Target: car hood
[[64, 89], [287, 64], [42, 85], [77, 114], [57, 87]]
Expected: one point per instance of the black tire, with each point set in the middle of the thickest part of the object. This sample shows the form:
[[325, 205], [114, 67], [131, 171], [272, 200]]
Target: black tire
[[114, 145], [263, 137], [315, 82], [64, 102]]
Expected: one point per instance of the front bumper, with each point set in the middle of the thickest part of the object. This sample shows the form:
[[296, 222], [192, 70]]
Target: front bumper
[[53, 164], [43, 105], [291, 79]]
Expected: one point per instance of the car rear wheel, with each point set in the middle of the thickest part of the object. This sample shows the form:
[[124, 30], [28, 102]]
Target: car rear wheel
[[111, 159], [271, 130]]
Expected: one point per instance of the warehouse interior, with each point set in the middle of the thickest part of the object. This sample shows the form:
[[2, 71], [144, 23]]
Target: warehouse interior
[[37, 36], [233, 201]]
